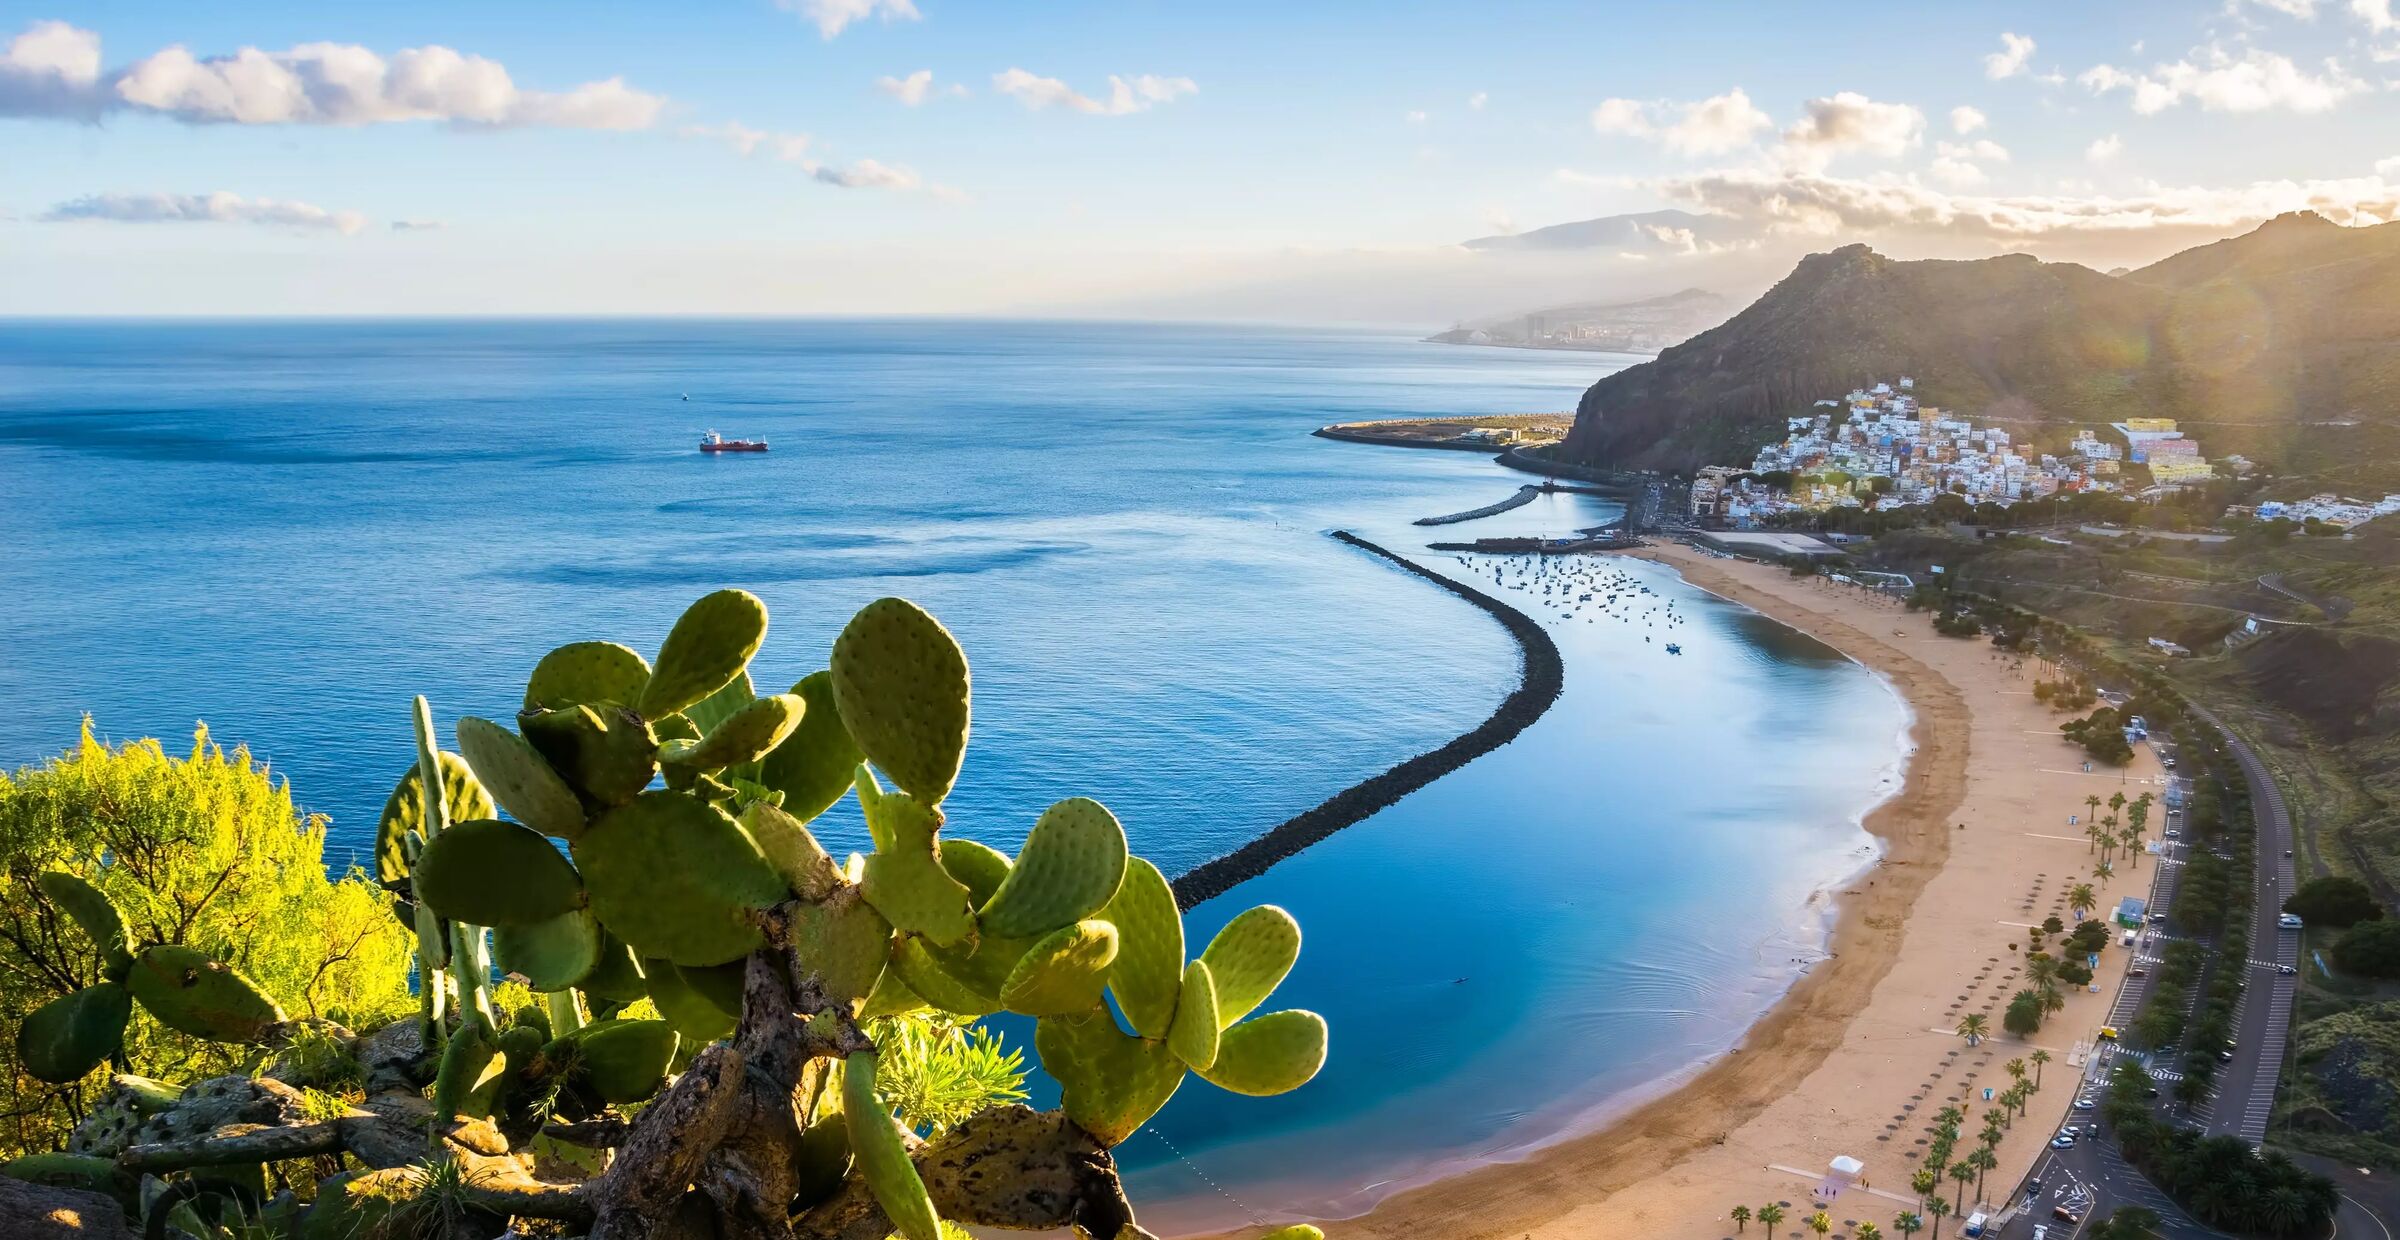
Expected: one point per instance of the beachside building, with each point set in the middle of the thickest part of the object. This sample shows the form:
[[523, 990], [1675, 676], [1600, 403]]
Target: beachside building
[[2131, 910]]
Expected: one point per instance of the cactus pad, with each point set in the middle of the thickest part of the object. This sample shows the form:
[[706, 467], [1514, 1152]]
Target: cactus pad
[[96, 914], [66, 1038], [710, 645], [1275, 1054], [891, 997], [1064, 973], [812, 768], [676, 877], [1249, 958], [981, 867], [605, 752], [694, 1016], [717, 707], [191, 993], [904, 878], [881, 1154], [1071, 865], [1110, 1083], [550, 955], [626, 1060], [914, 962], [617, 976], [486, 872], [471, 1066], [1149, 970], [844, 940], [1194, 1035], [785, 841], [746, 735], [585, 673], [901, 683], [404, 814], [519, 778]]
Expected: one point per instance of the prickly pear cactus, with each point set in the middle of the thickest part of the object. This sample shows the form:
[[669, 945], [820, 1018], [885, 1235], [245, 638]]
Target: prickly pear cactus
[[191, 993], [900, 681]]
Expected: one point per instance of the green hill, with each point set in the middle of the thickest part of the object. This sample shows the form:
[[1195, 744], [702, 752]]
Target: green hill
[[2275, 344]]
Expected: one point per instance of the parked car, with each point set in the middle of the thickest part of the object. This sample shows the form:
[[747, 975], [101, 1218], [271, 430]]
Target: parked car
[[2085, 1103]]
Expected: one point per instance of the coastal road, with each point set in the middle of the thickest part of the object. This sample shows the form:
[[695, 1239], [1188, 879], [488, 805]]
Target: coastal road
[[2245, 1095]]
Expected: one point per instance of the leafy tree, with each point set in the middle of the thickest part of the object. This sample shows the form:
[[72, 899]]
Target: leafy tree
[[205, 850], [1769, 1215], [2082, 899], [2038, 1058], [2074, 972], [1908, 1223], [1741, 1217], [2370, 949], [1965, 1174], [1939, 1207], [1820, 1223], [2334, 900], [2024, 1015], [2127, 1223], [1974, 1027], [1869, 1231]]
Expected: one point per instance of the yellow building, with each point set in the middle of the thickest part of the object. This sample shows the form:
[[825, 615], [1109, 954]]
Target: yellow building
[[2151, 426], [2175, 470]]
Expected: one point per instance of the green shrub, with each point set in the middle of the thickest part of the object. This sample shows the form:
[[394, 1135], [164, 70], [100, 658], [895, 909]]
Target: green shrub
[[205, 850], [2335, 900], [2370, 949]]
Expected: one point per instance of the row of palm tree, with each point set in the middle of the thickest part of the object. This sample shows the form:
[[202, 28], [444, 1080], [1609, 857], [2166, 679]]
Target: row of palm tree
[[1907, 1223], [2110, 833]]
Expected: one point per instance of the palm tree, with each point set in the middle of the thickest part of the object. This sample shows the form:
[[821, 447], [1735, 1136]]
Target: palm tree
[[1964, 1172], [1982, 1160], [2092, 803], [1769, 1215], [1924, 1180], [1996, 1122], [1908, 1223], [2104, 871], [2015, 1069], [1939, 1209], [2083, 900], [1973, 1026], [2038, 1057], [2116, 800], [1741, 1217], [1868, 1231], [1820, 1223]]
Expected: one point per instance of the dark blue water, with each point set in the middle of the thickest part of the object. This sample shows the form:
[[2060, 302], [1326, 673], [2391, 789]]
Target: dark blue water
[[286, 529]]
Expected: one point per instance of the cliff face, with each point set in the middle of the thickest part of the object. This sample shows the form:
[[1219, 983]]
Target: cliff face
[[2259, 333]]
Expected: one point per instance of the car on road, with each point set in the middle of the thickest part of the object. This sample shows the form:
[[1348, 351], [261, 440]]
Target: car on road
[[2085, 1103], [2137, 971], [2062, 1142], [2289, 921], [2286, 970], [2066, 1214], [2108, 1033]]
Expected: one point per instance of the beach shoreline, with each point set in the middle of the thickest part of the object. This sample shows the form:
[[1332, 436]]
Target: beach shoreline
[[1828, 1067]]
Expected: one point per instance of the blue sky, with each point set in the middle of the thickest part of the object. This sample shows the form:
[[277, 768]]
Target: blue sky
[[1261, 155]]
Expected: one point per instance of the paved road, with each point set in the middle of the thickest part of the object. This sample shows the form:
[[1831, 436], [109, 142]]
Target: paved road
[[2245, 1095]]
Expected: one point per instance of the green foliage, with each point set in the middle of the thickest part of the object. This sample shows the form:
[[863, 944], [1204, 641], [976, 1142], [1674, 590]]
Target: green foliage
[[938, 1070], [2102, 735], [2369, 949], [204, 851], [2334, 900]]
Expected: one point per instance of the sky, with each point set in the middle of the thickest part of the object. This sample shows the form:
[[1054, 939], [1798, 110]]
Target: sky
[[1296, 162]]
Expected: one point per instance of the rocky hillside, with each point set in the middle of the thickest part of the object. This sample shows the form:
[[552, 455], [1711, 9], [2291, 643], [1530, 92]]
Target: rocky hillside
[[2269, 343]]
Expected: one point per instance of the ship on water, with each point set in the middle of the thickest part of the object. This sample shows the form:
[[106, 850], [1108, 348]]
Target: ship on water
[[714, 442]]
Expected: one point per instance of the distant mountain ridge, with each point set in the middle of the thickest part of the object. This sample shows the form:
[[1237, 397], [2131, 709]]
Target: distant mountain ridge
[[1644, 325], [1646, 232], [2257, 337]]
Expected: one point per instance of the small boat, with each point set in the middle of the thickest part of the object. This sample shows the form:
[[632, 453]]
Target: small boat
[[714, 442], [1672, 648]]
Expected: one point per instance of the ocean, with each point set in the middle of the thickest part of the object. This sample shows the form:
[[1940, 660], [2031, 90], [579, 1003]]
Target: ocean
[[286, 529]]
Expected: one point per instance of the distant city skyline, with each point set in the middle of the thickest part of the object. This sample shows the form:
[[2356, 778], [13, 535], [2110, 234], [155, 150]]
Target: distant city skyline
[[1317, 163]]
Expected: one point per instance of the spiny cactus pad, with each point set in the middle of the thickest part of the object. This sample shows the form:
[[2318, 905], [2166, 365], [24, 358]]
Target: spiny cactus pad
[[1110, 1083], [1275, 1054], [981, 867], [1149, 970], [913, 961], [691, 1012], [94, 913], [746, 735], [1070, 867], [720, 984], [486, 872], [718, 707], [676, 877], [881, 1154], [710, 644], [470, 1062], [1064, 973], [626, 1060], [605, 752], [519, 778], [813, 766], [618, 974], [785, 841], [891, 997], [550, 955], [844, 940], [901, 683], [1249, 958], [404, 813], [191, 993], [587, 672], [1194, 1035], [904, 877], [66, 1038]]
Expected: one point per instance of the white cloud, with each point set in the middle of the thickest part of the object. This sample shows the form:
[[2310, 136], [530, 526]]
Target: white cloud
[[2015, 51], [2220, 81], [1982, 149], [746, 142], [2305, 10], [1710, 126], [1476, 101], [1960, 164], [419, 225], [2388, 167], [1964, 119], [2377, 14], [1125, 95], [1849, 121], [1811, 204], [1957, 173], [1417, 117], [2104, 150], [217, 208], [832, 15], [867, 174], [911, 90], [53, 70]]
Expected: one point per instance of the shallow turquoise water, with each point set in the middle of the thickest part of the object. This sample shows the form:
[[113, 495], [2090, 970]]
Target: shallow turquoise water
[[288, 528]]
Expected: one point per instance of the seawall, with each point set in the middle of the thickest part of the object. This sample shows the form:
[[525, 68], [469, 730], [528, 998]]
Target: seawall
[[1542, 676]]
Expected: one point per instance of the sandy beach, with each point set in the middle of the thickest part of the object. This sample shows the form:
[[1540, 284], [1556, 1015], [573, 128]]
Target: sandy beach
[[1860, 1053]]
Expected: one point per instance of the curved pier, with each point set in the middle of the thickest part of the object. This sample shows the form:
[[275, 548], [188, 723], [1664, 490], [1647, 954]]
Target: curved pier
[[1523, 497]]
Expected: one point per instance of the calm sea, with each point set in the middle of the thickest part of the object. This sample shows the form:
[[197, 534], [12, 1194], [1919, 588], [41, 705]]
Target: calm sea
[[286, 529]]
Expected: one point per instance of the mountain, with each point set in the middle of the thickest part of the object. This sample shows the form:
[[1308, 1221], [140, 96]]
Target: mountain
[[1648, 232], [1642, 326], [2258, 341]]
